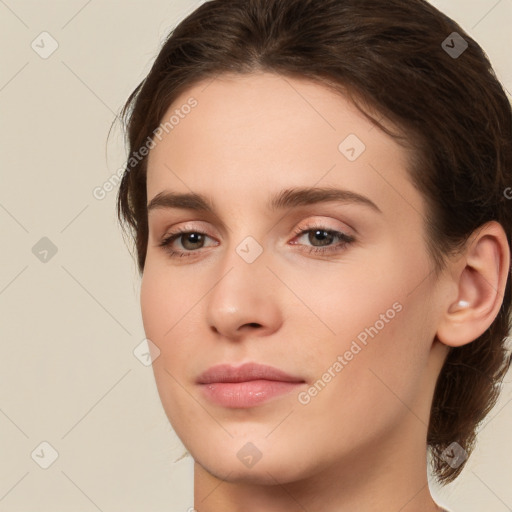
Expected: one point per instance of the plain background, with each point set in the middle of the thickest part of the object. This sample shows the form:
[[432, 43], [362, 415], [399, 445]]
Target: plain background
[[70, 324]]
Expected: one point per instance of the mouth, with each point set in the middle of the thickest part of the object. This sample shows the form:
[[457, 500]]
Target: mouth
[[246, 386]]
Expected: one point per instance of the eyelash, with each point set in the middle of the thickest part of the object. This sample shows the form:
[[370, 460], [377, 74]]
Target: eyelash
[[343, 237]]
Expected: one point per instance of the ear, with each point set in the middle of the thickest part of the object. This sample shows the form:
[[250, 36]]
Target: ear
[[480, 276]]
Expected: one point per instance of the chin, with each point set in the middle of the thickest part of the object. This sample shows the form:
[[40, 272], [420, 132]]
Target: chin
[[262, 473], [241, 460]]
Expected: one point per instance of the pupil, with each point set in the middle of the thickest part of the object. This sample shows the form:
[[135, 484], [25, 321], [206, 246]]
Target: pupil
[[321, 234], [190, 238]]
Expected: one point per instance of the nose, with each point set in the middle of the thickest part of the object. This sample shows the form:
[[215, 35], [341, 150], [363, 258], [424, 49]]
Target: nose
[[244, 301]]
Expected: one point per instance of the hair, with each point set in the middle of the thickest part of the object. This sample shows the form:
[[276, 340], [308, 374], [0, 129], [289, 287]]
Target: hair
[[388, 57]]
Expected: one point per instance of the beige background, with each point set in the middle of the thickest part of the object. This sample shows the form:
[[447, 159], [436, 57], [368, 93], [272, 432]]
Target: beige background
[[69, 325]]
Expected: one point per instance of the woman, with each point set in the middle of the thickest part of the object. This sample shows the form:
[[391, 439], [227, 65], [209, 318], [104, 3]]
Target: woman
[[317, 194]]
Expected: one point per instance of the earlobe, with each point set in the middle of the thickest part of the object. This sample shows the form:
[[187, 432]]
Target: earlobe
[[480, 284]]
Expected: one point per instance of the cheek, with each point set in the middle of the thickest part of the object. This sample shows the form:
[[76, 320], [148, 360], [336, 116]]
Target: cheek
[[153, 303], [383, 331], [164, 308], [376, 388], [388, 370], [164, 299], [169, 309]]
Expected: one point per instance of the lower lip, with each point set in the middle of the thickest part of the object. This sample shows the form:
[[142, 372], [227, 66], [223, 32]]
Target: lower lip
[[246, 394]]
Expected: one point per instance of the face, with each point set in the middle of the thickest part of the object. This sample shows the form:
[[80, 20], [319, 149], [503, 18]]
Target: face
[[335, 291]]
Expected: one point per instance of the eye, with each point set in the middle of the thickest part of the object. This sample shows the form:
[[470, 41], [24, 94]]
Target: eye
[[319, 236], [190, 241], [324, 237]]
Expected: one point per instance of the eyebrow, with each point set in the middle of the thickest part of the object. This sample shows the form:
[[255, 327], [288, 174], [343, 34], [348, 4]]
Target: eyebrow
[[288, 198]]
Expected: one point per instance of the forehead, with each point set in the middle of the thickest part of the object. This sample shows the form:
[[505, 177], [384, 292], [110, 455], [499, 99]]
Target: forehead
[[259, 133]]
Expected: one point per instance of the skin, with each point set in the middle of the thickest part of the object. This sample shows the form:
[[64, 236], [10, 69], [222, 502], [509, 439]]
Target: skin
[[360, 443]]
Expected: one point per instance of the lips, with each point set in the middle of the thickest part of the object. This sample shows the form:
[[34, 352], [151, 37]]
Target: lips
[[245, 386], [244, 373]]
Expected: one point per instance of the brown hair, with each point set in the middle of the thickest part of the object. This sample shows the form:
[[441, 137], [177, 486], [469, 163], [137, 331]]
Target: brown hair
[[389, 57]]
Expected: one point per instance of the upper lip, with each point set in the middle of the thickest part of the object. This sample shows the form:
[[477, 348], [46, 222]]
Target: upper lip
[[244, 373]]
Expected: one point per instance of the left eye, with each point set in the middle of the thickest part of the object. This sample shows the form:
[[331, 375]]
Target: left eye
[[190, 240], [192, 237], [325, 236]]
